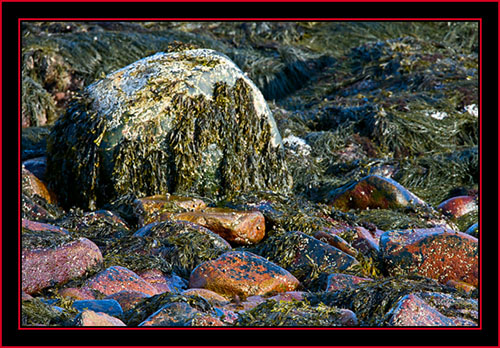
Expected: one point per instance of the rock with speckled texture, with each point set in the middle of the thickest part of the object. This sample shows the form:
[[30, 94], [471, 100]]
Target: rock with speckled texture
[[45, 267], [411, 310], [161, 207], [40, 226], [458, 206], [32, 186], [437, 253], [339, 281], [180, 314], [91, 318], [117, 278], [206, 294], [243, 274], [127, 298]]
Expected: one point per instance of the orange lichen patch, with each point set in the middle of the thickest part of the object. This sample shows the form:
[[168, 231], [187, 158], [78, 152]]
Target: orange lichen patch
[[239, 227], [436, 253], [458, 206], [242, 274], [161, 207], [116, 279], [42, 268], [31, 185]]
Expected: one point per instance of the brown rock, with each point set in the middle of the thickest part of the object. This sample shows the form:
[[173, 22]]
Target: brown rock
[[436, 253], [243, 274], [340, 281], [161, 207], [127, 298], [458, 206], [116, 278], [239, 227], [77, 293], [91, 318], [31, 185], [329, 237], [45, 267]]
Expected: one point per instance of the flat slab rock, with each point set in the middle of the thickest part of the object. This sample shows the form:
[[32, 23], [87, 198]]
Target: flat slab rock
[[117, 278], [45, 267], [243, 274], [436, 253]]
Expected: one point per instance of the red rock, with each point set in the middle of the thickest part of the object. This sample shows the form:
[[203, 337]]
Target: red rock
[[116, 278], [458, 206], [411, 310], [207, 294], [239, 227], [340, 281], [40, 226], [243, 274], [77, 293], [161, 207], [91, 318], [373, 192], [42, 268], [31, 185], [156, 278], [330, 237], [435, 253], [127, 299]]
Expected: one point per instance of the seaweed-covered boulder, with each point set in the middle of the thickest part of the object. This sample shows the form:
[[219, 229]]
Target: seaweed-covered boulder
[[242, 274], [187, 121], [51, 258], [373, 192], [437, 253]]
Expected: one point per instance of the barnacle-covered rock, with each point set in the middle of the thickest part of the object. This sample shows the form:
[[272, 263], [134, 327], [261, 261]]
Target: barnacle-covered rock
[[186, 121]]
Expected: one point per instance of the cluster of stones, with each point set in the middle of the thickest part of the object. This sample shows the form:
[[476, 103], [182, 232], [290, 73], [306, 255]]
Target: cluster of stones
[[234, 281]]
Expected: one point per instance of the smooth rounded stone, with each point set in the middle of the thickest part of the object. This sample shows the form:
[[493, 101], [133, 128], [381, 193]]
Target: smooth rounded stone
[[32, 186], [238, 227], [206, 294], [436, 253], [348, 317], [237, 305], [156, 278], [180, 314], [108, 306], [325, 257], [462, 286], [37, 166], [40, 226], [188, 121], [91, 318], [372, 192], [166, 229], [116, 278], [127, 298], [77, 293], [473, 230], [243, 274], [46, 267], [458, 206], [340, 281], [161, 207], [411, 310], [329, 237]]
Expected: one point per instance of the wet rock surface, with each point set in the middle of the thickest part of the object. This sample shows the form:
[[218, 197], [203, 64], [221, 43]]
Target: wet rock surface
[[250, 174]]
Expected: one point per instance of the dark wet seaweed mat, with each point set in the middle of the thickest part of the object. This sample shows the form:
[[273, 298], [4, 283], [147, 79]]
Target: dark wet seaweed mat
[[350, 99]]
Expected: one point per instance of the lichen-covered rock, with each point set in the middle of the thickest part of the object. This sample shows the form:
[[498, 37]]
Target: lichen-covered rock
[[243, 274], [187, 121], [55, 261], [373, 192], [458, 206], [116, 279], [238, 227], [91, 318], [436, 253], [158, 279], [339, 281], [127, 298], [411, 310], [161, 207]]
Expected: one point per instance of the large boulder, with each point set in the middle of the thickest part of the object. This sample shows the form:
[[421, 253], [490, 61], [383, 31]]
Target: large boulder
[[187, 121]]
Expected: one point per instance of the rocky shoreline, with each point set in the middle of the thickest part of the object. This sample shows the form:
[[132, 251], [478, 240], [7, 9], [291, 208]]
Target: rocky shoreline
[[253, 174]]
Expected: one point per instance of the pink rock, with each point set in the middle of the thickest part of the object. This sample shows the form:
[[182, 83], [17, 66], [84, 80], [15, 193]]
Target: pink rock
[[458, 206], [116, 279], [156, 278], [91, 318], [340, 281], [42, 268], [40, 226]]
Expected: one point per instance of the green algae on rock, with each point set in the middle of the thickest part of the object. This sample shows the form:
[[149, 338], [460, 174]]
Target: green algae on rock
[[187, 121]]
